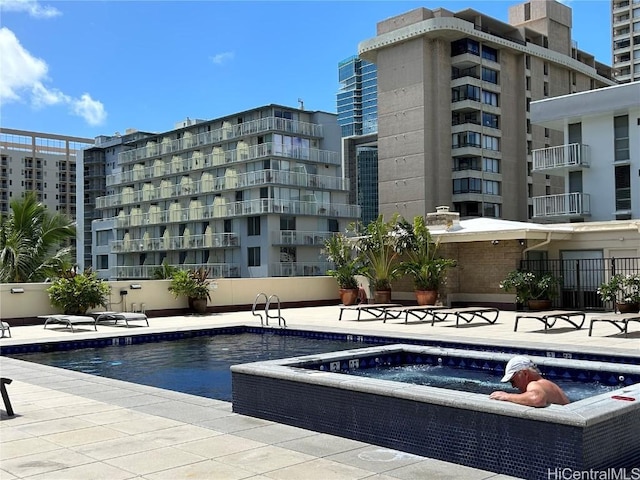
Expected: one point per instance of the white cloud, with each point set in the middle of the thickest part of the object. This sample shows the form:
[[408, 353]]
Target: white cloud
[[91, 110], [221, 58], [18, 68], [23, 75], [32, 7]]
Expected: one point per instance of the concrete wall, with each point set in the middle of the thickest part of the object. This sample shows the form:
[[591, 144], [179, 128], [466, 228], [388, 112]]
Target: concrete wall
[[154, 294]]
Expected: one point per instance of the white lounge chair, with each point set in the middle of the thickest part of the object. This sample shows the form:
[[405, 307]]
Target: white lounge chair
[[69, 320], [116, 317]]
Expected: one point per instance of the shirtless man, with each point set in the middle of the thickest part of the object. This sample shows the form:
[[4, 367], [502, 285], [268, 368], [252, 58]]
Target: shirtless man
[[536, 391]]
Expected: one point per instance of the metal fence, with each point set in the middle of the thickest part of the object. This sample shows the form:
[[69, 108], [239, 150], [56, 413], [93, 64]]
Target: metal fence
[[579, 279]]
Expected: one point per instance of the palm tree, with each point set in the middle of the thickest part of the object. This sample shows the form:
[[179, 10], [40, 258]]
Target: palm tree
[[32, 242]]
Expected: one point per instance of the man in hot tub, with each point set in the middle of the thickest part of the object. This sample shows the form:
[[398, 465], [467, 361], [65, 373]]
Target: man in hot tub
[[536, 391]]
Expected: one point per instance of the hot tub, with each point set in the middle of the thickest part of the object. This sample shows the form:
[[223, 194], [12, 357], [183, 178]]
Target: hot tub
[[595, 433]]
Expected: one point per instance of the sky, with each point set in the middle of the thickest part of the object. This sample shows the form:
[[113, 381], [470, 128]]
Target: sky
[[89, 68]]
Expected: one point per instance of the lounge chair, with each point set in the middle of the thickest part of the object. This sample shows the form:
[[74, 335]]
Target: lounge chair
[[5, 395], [116, 317], [69, 320], [5, 326], [549, 317], [378, 310], [419, 311], [619, 320], [467, 314]]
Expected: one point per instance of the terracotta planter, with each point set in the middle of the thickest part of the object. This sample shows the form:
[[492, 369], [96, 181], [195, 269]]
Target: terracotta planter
[[348, 296], [629, 307], [382, 296], [539, 304], [426, 297]]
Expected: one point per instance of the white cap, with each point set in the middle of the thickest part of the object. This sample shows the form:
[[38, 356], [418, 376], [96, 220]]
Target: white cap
[[516, 364]]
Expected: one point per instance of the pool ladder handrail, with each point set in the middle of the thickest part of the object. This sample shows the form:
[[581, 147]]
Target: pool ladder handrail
[[267, 304]]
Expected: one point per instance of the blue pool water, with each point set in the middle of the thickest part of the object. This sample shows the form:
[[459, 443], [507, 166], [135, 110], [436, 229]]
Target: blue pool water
[[198, 366], [474, 381]]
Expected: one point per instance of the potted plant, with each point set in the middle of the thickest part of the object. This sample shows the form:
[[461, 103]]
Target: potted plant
[[623, 291], [339, 250], [194, 285], [378, 244], [423, 263], [76, 293], [536, 290]]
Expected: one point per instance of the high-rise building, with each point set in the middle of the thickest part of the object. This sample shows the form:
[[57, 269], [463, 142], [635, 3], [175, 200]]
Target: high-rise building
[[599, 157], [253, 194], [357, 103], [44, 163], [453, 106], [625, 23]]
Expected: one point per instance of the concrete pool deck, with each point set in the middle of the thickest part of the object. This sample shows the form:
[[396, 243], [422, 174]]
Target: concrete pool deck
[[70, 425]]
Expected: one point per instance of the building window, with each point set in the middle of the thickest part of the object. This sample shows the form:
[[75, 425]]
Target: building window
[[491, 165], [465, 92], [103, 262], [467, 185], [490, 120], [489, 53], [466, 163], [253, 255], [465, 139], [623, 187], [621, 137], [253, 226], [489, 75], [545, 68], [491, 210], [490, 98], [490, 143], [333, 225], [527, 62], [287, 223], [546, 89], [491, 187], [465, 45]]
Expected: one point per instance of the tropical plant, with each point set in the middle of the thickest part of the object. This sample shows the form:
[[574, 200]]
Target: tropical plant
[[191, 284], [621, 289], [164, 271], [423, 262], [340, 250], [32, 242], [530, 286], [379, 247], [76, 293]]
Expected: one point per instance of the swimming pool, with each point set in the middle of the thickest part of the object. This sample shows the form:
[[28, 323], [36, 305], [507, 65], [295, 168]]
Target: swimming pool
[[197, 365], [595, 433]]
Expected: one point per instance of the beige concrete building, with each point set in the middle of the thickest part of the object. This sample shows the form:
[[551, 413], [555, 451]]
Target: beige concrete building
[[41, 162], [453, 106], [625, 26]]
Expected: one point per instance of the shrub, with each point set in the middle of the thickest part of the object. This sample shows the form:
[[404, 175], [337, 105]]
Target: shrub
[[75, 294]]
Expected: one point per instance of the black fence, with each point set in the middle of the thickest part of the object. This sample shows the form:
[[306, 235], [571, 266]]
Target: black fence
[[579, 279]]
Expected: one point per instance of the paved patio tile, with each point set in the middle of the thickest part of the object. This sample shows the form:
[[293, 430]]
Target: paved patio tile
[[432, 468], [43, 462], [9, 434], [321, 445], [117, 447], [4, 475], [91, 471], [319, 469], [22, 448], [84, 436], [182, 412], [375, 459], [219, 446], [265, 459], [55, 426], [235, 423], [208, 469], [175, 436], [267, 433], [154, 460]]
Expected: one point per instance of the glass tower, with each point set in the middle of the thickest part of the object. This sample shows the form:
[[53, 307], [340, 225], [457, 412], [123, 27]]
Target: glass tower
[[358, 119]]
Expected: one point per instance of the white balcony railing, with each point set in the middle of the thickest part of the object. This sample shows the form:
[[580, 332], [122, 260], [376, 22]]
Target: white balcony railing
[[214, 270], [566, 204], [563, 156], [295, 237], [227, 132], [176, 242], [298, 269]]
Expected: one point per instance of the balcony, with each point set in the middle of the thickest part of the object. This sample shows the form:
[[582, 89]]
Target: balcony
[[563, 205], [227, 132], [214, 270], [298, 269], [573, 156], [295, 237], [176, 242]]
